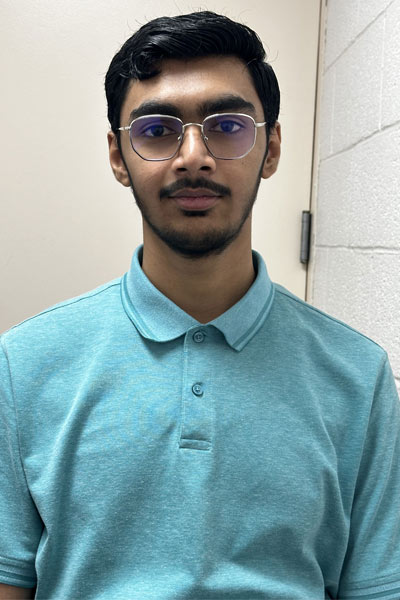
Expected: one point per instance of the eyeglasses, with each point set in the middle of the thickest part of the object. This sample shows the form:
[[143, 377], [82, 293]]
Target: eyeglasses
[[227, 136]]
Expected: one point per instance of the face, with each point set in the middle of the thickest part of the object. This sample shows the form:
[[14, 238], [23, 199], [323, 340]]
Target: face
[[194, 203]]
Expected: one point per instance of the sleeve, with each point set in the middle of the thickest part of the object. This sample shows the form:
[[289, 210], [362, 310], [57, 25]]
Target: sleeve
[[20, 523], [371, 569]]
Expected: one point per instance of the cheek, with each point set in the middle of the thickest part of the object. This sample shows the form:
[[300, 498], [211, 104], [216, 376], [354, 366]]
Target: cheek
[[145, 175], [246, 171]]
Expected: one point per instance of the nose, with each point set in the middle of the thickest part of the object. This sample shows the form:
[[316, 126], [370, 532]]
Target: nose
[[193, 155]]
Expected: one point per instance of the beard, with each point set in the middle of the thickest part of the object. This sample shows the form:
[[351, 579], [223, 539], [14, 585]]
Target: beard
[[189, 244]]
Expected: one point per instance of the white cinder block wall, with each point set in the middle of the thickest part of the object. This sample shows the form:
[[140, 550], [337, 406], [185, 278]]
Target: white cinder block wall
[[356, 230]]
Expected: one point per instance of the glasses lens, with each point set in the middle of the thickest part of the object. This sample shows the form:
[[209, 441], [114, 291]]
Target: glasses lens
[[155, 137], [229, 135]]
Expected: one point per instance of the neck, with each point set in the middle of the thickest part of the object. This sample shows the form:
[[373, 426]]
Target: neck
[[206, 287]]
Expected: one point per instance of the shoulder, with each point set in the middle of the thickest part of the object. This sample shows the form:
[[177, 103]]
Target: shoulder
[[320, 334], [69, 318]]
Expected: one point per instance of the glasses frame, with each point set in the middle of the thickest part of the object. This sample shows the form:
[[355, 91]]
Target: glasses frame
[[204, 137]]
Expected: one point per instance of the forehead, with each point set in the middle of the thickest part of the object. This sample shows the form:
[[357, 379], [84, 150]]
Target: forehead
[[189, 85]]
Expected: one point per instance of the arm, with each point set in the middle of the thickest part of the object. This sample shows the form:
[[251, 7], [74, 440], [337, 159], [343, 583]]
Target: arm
[[10, 592], [371, 567], [20, 523]]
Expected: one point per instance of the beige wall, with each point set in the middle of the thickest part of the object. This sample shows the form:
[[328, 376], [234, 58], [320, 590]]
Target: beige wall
[[67, 226]]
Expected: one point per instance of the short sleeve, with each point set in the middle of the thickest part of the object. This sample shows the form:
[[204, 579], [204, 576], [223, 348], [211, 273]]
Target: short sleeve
[[372, 564], [20, 523]]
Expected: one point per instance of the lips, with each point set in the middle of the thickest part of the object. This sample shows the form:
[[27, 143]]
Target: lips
[[199, 199]]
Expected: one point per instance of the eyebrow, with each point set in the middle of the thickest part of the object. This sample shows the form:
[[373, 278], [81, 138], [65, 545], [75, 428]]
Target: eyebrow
[[226, 103], [154, 107], [223, 103]]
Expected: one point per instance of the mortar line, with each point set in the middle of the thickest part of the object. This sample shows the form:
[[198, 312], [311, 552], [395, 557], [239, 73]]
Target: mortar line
[[384, 130], [376, 249], [382, 72], [359, 34]]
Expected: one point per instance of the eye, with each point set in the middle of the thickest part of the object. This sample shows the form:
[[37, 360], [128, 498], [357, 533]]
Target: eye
[[226, 126], [157, 130]]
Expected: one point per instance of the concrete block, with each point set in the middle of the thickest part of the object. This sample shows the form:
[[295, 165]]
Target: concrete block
[[374, 192], [368, 11], [361, 289], [391, 79], [341, 28], [320, 271], [357, 103], [384, 313], [334, 198], [326, 113], [358, 195], [346, 296]]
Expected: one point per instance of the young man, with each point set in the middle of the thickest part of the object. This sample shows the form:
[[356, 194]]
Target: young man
[[192, 430]]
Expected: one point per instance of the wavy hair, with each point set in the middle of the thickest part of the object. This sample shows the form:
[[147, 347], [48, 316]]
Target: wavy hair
[[194, 35]]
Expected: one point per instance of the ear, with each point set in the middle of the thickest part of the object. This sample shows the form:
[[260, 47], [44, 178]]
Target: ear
[[274, 152], [116, 161]]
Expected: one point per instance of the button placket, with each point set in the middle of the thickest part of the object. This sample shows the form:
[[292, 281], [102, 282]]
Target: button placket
[[197, 414]]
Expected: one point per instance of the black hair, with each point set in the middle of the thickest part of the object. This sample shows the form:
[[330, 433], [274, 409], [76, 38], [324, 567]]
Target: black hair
[[194, 35]]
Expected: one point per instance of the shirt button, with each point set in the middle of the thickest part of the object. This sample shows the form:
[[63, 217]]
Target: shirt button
[[199, 337], [197, 389]]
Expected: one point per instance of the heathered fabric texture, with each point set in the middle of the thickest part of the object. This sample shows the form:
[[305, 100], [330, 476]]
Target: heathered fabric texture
[[145, 456]]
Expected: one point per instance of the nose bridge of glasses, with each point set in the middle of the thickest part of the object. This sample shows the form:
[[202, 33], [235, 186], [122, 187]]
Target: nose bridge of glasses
[[185, 125], [189, 124]]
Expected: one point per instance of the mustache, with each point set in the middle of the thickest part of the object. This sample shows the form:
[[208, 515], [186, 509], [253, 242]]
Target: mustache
[[200, 182]]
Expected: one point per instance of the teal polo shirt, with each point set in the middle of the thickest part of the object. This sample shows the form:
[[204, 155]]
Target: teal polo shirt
[[147, 456]]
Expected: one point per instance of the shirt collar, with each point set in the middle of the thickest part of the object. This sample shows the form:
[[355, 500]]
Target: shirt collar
[[157, 318]]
